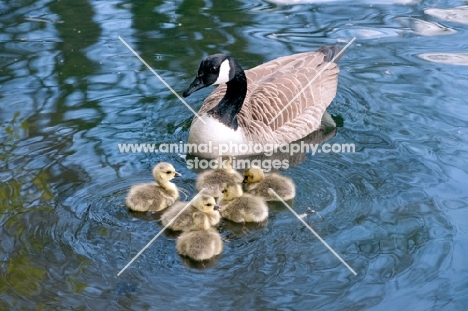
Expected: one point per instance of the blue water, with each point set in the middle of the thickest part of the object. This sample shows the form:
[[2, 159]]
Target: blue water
[[396, 210]]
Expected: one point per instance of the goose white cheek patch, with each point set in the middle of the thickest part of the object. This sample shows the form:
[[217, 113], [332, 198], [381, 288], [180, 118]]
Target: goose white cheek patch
[[224, 70]]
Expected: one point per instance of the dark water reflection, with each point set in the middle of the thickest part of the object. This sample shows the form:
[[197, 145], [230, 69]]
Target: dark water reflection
[[396, 210]]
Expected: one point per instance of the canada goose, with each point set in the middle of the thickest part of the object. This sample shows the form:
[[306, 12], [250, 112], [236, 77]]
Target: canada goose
[[153, 197], [203, 204], [257, 183], [241, 108], [213, 180], [241, 207], [203, 242]]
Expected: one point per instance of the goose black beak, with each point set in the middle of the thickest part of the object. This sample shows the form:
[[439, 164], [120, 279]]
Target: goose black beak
[[176, 174], [194, 86]]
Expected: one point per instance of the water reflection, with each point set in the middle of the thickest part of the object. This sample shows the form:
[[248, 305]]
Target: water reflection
[[458, 14], [69, 92], [446, 58], [421, 27]]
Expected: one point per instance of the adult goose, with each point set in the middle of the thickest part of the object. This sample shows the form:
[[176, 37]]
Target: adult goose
[[239, 111]]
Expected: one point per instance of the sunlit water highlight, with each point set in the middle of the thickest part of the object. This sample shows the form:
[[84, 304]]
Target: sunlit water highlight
[[396, 210]]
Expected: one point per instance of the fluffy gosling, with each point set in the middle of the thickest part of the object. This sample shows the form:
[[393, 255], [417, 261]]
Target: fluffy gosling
[[213, 180], [203, 204], [241, 207], [258, 183], [153, 197], [203, 242]]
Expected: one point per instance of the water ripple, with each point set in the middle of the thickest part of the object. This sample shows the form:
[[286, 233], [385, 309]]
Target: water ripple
[[446, 58], [395, 210], [425, 28], [458, 14]]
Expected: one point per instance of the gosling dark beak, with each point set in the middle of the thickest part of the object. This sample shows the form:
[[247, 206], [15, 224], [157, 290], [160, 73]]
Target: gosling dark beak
[[216, 207], [177, 174], [194, 86]]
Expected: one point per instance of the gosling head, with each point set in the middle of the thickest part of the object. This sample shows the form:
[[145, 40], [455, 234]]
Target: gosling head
[[253, 175], [224, 163], [164, 172], [214, 69], [232, 190], [206, 204]]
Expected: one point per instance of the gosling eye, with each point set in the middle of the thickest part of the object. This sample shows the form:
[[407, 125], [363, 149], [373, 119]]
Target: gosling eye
[[168, 172], [223, 191], [209, 204]]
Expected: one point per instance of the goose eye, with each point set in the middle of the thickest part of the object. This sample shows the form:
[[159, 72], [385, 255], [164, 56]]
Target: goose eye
[[214, 69]]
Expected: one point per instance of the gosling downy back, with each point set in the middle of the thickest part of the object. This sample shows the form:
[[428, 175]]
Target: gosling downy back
[[240, 110], [153, 197], [241, 207], [213, 180], [258, 183], [200, 244]]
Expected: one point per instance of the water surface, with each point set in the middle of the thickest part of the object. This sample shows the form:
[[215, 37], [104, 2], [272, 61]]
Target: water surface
[[395, 210]]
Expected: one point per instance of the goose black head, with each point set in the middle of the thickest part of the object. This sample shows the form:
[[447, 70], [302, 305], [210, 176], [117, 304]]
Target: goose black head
[[214, 69]]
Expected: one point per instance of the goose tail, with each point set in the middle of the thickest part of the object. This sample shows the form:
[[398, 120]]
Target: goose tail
[[330, 52]]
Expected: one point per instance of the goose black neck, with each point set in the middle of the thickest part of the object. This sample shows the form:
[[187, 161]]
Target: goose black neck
[[227, 109]]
